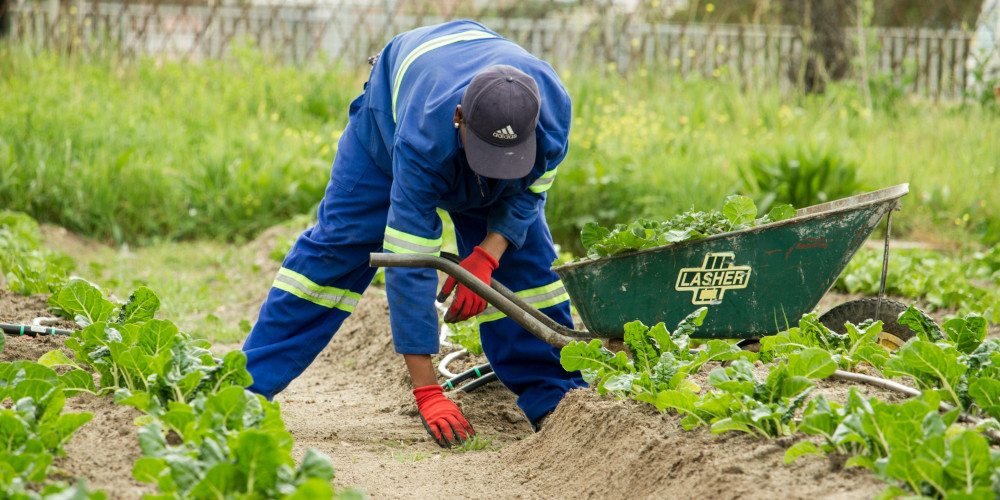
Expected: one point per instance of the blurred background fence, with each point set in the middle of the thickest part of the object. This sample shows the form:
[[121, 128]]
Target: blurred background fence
[[616, 35]]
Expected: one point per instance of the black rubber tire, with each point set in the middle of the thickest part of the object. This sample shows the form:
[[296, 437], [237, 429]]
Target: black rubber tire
[[857, 311]]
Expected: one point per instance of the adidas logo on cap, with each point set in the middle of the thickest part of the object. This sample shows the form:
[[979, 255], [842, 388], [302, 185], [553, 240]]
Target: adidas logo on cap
[[505, 133]]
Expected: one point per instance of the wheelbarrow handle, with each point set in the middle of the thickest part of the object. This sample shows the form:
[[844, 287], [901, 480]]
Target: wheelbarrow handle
[[524, 305], [508, 303]]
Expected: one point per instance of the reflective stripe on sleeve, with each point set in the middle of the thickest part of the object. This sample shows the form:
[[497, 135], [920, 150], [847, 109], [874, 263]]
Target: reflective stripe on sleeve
[[427, 47], [539, 298], [304, 288], [397, 241], [544, 182]]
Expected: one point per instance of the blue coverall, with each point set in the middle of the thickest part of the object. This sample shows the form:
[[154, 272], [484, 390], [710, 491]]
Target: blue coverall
[[398, 161]]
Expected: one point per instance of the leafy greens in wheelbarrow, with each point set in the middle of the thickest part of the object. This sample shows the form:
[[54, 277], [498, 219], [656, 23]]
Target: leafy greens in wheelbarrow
[[739, 212]]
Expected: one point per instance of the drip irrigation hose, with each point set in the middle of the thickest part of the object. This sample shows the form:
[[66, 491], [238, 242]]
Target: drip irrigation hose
[[479, 382], [443, 365], [40, 321], [32, 330], [478, 373], [443, 341], [993, 434]]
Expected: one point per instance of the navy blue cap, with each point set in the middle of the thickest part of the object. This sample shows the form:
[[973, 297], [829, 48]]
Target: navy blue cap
[[500, 107]]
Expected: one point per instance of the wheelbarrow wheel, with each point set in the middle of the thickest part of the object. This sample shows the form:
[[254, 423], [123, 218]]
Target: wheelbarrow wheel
[[893, 334]]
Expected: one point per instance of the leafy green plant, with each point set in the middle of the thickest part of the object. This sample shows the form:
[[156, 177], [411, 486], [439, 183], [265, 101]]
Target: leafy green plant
[[232, 444], [911, 445], [823, 418], [858, 344], [26, 265], [477, 442], [661, 360], [254, 464], [33, 429], [18, 490], [132, 350], [768, 408], [808, 176], [466, 334], [739, 212], [954, 359]]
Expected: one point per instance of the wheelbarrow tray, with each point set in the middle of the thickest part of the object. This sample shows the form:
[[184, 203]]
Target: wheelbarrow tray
[[754, 282]]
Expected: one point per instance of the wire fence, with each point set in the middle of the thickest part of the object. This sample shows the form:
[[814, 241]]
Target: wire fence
[[601, 33]]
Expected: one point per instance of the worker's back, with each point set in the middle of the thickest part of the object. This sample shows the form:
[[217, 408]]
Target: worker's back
[[418, 80]]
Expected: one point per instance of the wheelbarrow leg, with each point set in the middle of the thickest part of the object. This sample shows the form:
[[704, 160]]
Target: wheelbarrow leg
[[885, 259]]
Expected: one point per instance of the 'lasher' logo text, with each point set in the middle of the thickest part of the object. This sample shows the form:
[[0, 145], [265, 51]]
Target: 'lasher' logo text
[[710, 281]]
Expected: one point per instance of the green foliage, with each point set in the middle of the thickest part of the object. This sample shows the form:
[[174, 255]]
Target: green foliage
[[739, 212], [466, 334], [477, 442], [73, 133], [767, 408], [233, 444], [911, 445], [954, 359], [908, 444], [859, 344], [33, 428], [132, 350], [633, 154], [930, 366], [968, 282], [807, 176], [26, 265], [57, 490], [661, 360]]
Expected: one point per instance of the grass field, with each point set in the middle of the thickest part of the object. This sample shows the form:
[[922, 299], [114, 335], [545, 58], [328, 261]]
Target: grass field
[[161, 151]]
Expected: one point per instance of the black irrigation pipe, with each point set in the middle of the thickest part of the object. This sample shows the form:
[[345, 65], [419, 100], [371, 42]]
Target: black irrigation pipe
[[31, 330], [479, 382], [479, 374]]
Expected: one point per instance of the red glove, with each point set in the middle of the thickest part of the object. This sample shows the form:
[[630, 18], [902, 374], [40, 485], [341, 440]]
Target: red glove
[[467, 304], [442, 419]]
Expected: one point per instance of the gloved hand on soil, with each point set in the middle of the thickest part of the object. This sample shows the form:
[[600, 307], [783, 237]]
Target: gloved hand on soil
[[441, 417], [467, 304]]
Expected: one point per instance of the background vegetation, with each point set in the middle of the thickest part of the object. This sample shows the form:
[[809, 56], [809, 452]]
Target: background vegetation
[[162, 151]]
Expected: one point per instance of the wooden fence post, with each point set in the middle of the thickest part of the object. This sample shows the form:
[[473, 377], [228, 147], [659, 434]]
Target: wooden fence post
[[5, 8]]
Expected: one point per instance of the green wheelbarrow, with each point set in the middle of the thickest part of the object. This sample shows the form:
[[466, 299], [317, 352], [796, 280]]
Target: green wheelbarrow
[[755, 282]]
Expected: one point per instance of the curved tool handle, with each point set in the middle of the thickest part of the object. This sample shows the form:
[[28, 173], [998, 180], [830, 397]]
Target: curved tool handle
[[518, 310], [524, 305]]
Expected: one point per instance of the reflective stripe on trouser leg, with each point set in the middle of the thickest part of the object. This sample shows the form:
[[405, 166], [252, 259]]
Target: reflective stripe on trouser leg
[[323, 274], [539, 298], [527, 366]]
